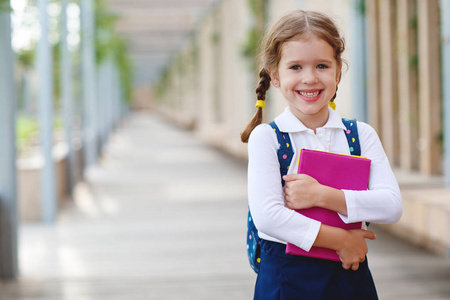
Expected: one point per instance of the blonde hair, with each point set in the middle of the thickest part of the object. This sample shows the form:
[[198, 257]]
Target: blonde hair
[[297, 24]]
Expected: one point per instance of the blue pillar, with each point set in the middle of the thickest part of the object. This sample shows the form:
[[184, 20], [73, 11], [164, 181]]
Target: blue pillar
[[66, 94], [8, 184], [90, 128], [45, 75], [103, 88], [110, 91], [117, 96], [445, 50], [358, 60]]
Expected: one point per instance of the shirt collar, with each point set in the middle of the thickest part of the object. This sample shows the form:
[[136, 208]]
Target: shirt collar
[[288, 122]]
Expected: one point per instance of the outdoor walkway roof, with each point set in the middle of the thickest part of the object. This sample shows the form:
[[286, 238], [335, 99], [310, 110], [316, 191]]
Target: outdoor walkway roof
[[156, 29]]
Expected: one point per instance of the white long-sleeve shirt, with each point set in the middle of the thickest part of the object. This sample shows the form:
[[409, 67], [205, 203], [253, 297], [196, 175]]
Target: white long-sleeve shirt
[[381, 203]]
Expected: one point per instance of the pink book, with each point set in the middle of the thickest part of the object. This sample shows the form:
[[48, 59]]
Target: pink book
[[340, 171]]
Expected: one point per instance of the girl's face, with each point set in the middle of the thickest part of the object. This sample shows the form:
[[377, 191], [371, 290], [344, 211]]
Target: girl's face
[[307, 76]]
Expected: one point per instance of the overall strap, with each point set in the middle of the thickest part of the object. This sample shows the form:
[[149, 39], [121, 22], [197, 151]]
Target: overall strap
[[285, 152], [352, 136]]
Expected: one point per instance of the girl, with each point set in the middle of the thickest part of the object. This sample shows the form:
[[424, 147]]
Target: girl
[[301, 57]]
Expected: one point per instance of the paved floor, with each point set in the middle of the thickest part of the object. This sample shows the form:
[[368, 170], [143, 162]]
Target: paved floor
[[163, 217]]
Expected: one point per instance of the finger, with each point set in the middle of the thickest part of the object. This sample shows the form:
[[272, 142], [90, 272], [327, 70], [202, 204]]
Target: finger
[[287, 198], [355, 266], [291, 177], [362, 260], [287, 204], [346, 266], [369, 235]]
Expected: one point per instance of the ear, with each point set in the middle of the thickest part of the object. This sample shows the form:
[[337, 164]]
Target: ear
[[274, 78], [338, 74]]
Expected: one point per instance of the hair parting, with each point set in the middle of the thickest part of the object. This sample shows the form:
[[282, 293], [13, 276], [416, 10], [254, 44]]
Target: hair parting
[[307, 22]]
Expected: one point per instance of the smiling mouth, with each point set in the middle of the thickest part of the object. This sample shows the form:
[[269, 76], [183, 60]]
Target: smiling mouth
[[309, 94]]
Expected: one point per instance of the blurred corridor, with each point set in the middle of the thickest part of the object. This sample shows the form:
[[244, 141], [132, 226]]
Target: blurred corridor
[[163, 217], [122, 175]]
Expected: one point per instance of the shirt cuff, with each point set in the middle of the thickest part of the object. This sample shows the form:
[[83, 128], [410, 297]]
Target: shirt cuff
[[351, 208], [311, 235]]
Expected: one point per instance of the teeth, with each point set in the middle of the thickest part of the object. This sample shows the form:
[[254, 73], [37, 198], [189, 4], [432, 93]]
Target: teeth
[[309, 94]]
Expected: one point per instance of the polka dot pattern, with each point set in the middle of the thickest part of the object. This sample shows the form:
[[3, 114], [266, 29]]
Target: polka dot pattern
[[351, 134]]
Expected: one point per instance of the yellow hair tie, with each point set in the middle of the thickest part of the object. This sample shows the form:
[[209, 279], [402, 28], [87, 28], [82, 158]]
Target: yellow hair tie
[[260, 104], [332, 105]]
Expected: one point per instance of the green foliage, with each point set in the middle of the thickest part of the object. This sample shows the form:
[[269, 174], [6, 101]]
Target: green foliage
[[27, 129], [414, 62], [120, 56], [251, 46], [56, 54], [104, 30], [25, 58], [360, 6], [216, 38], [250, 49], [258, 7], [161, 86], [5, 6], [109, 44]]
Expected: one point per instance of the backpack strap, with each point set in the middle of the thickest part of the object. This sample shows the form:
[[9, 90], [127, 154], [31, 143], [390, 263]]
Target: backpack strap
[[353, 139], [352, 136], [284, 152]]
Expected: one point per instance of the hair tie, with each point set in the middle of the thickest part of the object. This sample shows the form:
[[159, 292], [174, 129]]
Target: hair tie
[[332, 105], [260, 104]]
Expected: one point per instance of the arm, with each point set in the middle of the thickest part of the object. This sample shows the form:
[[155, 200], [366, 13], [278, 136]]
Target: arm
[[380, 204], [265, 193], [303, 191], [350, 245], [273, 219]]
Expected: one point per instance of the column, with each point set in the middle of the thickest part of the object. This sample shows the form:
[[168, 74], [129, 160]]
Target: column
[[90, 130], [66, 94], [445, 50], [8, 184], [45, 74]]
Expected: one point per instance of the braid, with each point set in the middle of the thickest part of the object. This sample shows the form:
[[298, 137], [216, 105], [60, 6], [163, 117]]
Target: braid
[[263, 85], [261, 89]]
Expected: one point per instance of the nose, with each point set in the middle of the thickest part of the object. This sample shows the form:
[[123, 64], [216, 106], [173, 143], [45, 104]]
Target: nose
[[309, 76]]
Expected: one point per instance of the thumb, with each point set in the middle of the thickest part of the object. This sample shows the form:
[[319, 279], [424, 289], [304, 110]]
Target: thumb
[[291, 177], [369, 235]]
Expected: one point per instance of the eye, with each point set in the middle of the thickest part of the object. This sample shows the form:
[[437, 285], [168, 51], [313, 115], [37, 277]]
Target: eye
[[322, 66], [296, 67]]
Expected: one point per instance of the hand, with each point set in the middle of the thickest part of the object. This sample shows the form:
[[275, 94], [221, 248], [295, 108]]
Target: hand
[[301, 191], [354, 248]]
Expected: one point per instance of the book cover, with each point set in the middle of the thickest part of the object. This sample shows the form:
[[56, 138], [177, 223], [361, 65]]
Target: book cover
[[339, 171]]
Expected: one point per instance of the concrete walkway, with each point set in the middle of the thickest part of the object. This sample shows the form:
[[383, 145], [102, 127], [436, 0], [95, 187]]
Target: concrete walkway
[[163, 216]]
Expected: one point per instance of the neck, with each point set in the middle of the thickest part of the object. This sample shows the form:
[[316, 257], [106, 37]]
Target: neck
[[314, 124], [314, 121]]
